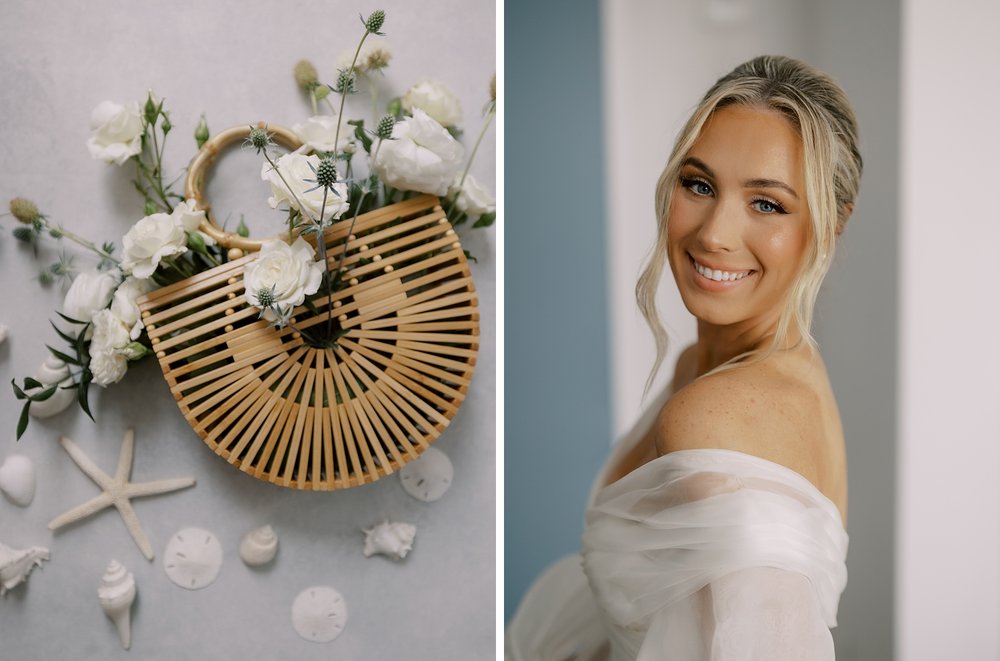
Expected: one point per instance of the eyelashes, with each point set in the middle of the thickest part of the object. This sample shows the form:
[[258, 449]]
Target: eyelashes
[[762, 204]]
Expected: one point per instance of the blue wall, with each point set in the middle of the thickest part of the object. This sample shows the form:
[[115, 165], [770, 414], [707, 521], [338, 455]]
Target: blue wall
[[557, 405]]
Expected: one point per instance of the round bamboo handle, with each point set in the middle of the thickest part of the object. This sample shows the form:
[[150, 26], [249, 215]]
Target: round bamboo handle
[[205, 158]]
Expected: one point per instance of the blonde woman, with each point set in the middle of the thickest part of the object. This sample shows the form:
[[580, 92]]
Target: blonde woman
[[716, 529]]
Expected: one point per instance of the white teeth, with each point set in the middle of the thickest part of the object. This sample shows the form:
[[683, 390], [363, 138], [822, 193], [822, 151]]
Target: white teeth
[[720, 276]]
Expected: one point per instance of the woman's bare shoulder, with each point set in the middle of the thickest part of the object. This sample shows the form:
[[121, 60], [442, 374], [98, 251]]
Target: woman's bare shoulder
[[756, 409]]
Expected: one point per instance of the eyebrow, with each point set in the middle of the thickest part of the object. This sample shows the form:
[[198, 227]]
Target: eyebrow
[[750, 183]]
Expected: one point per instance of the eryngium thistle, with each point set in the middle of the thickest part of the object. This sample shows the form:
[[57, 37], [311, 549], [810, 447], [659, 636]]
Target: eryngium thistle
[[305, 74], [259, 139], [326, 173], [384, 128], [345, 82], [24, 210], [265, 297], [375, 21]]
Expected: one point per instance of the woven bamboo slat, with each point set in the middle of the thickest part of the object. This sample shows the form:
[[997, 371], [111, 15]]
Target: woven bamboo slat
[[322, 418]]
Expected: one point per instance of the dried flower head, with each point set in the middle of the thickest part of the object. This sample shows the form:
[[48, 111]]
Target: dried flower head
[[376, 59], [384, 128], [24, 210], [305, 75], [375, 21]]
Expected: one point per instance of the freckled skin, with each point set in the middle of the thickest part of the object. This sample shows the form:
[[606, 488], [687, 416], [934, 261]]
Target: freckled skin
[[782, 408]]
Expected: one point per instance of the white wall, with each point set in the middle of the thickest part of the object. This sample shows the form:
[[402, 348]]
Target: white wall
[[948, 575]]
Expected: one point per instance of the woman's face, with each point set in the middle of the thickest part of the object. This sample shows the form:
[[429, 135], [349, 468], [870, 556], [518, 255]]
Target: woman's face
[[739, 223]]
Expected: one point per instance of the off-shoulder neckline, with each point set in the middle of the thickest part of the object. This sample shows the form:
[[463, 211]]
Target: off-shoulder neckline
[[745, 456]]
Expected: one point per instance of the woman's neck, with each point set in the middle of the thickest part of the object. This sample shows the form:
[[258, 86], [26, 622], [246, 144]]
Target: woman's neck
[[719, 344]]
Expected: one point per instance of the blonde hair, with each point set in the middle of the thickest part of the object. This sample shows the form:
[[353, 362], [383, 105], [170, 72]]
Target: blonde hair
[[819, 110]]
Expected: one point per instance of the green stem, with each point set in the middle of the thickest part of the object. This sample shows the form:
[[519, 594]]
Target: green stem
[[343, 94], [76, 238], [475, 148], [312, 99]]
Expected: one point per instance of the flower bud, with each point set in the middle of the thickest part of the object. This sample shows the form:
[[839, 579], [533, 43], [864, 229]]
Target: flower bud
[[201, 132], [134, 350], [384, 128], [196, 242], [150, 208], [24, 210], [166, 125], [321, 92], [305, 74], [375, 21], [396, 107], [150, 110], [24, 234], [56, 232]]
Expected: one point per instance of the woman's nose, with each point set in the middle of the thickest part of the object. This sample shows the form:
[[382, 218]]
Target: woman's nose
[[720, 227]]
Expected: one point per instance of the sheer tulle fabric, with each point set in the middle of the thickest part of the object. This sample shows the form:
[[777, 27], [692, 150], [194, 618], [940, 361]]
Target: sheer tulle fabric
[[697, 555]]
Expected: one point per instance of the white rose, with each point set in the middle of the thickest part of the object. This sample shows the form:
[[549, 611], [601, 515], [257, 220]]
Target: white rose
[[473, 199], [123, 305], [436, 100], [320, 131], [188, 215], [107, 362], [116, 132], [90, 292], [295, 170], [422, 156], [150, 240], [288, 273]]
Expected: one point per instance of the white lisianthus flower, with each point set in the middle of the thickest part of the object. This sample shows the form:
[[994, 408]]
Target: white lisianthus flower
[[422, 156], [281, 277], [296, 170], [90, 292], [123, 305], [436, 100], [188, 215], [116, 132], [473, 199], [319, 132], [150, 240], [107, 360]]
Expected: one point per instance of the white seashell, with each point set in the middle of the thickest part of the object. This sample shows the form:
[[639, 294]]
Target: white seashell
[[259, 546], [193, 558], [51, 372], [116, 594], [16, 564], [3, 332], [392, 539], [319, 614], [427, 477], [17, 479]]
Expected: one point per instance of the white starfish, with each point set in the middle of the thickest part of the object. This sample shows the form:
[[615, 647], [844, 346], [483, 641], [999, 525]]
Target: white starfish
[[117, 491]]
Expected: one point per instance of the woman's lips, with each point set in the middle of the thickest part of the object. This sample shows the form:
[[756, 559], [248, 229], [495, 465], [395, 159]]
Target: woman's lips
[[717, 279]]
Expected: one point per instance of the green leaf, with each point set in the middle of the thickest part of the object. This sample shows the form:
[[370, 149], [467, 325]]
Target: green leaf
[[72, 320], [361, 134], [32, 383], [45, 394], [63, 357], [486, 219], [81, 392], [65, 336], [470, 257], [22, 422], [18, 393]]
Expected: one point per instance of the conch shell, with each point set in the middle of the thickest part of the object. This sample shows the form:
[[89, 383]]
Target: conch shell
[[116, 594], [392, 539], [17, 479], [51, 372], [16, 564], [259, 546]]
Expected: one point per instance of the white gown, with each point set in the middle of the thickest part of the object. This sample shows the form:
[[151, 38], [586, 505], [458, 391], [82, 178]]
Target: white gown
[[697, 555]]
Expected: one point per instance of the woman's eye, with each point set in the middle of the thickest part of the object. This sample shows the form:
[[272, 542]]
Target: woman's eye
[[697, 186], [768, 206]]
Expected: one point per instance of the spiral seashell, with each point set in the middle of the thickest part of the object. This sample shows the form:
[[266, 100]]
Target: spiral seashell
[[51, 372], [17, 479], [391, 539], [16, 564], [116, 594], [259, 546]]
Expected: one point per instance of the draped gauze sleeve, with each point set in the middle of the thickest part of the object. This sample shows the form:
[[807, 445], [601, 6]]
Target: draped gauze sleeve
[[698, 555]]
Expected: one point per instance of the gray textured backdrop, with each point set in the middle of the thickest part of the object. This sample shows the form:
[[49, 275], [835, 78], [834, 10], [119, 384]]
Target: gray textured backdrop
[[232, 61]]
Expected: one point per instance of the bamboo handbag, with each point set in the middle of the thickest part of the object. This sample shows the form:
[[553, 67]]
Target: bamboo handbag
[[323, 418]]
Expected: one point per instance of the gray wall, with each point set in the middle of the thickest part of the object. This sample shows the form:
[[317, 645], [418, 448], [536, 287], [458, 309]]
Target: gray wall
[[557, 420], [856, 321]]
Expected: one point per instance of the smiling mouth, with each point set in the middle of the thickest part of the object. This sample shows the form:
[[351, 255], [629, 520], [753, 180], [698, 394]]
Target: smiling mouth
[[718, 275]]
